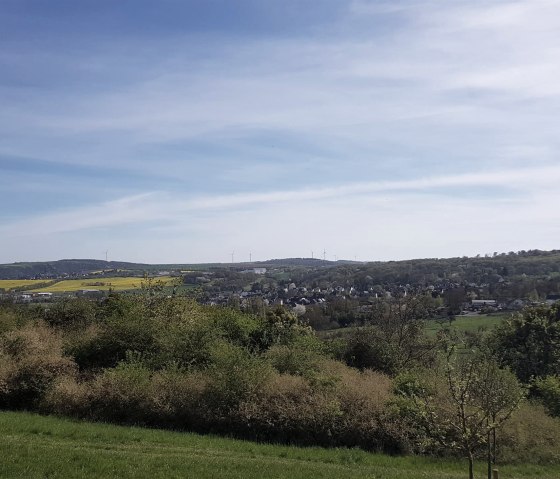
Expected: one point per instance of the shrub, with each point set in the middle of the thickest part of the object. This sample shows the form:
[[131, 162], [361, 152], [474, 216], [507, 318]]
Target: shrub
[[31, 359], [76, 312], [548, 389], [67, 397], [106, 344], [366, 348], [178, 399], [187, 341], [336, 406], [278, 326], [9, 320], [295, 360], [528, 343], [531, 436], [122, 394], [234, 375]]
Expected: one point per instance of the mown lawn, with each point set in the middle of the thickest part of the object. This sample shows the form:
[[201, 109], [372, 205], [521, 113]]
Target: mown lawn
[[34, 446]]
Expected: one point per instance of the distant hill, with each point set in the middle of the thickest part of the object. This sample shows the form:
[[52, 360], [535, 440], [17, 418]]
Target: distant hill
[[74, 267], [488, 269], [46, 269], [310, 262]]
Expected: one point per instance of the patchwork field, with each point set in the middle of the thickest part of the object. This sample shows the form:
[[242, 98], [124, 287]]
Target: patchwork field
[[37, 447], [102, 284]]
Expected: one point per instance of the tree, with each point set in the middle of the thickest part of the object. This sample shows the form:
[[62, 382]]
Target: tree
[[462, 405], [394, 338], [529, 343]]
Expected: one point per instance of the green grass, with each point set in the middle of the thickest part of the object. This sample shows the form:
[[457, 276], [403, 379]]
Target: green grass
[[467, 323], [34, 446]]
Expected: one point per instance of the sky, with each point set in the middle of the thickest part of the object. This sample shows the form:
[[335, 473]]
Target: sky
[[183, 131]]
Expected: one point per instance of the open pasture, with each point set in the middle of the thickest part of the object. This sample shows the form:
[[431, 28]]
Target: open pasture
[[472, 323]]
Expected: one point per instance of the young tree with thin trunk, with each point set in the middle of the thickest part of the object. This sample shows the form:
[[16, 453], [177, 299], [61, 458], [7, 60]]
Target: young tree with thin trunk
[[466, 402]]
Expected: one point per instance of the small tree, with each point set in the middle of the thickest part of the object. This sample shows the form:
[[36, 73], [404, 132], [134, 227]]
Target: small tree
[[466, 402], [394, 339]]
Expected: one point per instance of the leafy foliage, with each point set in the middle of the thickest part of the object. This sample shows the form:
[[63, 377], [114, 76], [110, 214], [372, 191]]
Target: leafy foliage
[[529, 343]]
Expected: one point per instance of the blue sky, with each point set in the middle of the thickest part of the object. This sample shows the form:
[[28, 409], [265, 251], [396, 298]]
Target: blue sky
[[180, 131]]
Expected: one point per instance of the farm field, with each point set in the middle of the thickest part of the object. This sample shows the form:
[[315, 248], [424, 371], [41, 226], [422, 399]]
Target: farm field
[[467, 323], [37, 447], [8, 284], [102, 284]]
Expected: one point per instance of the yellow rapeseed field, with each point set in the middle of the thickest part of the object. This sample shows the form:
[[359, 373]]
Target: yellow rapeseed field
[[8, 284], [102, 284]]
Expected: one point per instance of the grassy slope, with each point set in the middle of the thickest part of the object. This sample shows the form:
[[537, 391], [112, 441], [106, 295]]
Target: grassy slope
[[38, 447]]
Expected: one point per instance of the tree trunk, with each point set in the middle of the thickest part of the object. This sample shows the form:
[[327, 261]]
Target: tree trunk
[[489, 455], [471, 462]]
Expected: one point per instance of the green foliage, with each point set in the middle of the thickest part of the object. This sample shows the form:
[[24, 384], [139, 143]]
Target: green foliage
[[9, 319], [74, 312], [122, 394], [279, 326], [368, 348], [529, 343], [169, 362], [530, 437], [301, 358], [234, 375], [395, 340], [461, 406], [106, 344], [548, 389]]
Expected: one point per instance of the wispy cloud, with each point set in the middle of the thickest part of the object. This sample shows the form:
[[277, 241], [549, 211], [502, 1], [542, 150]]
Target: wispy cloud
[[163, 207], [374, 100]]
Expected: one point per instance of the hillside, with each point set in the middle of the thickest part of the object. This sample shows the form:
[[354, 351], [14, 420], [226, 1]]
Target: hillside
[[29, 270], [37, 447], [72, 267]]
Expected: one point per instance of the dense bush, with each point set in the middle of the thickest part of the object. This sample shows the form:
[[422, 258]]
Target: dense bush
[[31, 359], [548, 389], [531, 436], [529, 343], [170, 362]]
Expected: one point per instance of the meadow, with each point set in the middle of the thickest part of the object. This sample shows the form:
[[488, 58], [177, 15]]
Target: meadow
[[36, 446], [468, 323], [102, 284]]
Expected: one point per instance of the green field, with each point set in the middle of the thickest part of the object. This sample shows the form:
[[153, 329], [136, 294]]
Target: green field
[[460, 324], [467, 323], [46, 447], [102, 284]]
